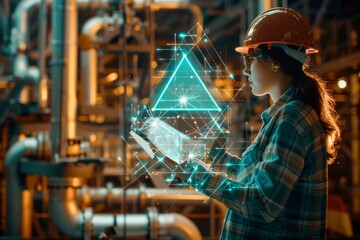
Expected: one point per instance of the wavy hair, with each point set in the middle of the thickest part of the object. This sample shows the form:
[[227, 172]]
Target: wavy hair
[[311, 88]]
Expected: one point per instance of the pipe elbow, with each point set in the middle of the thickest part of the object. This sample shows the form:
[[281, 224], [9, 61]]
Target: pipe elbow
[[178, 226], [17, 150], [65, 212]]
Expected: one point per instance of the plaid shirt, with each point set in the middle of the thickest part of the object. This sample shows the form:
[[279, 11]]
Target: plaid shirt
[[278, 189]]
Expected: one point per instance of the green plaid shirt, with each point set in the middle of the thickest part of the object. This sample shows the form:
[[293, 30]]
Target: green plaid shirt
[[278, 189]]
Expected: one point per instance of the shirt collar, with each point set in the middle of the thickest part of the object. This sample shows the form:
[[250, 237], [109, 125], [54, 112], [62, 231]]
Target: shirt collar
[[272, 110]]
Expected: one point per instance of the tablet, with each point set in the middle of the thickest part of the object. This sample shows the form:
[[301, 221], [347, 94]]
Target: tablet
[[143, 144]]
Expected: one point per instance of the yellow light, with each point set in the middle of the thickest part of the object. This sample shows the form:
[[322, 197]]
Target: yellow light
[[342, 83], [22, 136], [92, 118], [100, 119], [154, 64], [111, 77], [92, 138]]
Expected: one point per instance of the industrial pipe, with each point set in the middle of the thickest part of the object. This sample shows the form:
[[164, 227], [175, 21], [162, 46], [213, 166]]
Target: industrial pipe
[[25, 8], [88, 57], [24, 76], [155, 225], [15, 206], [144, 197], [20, 32], [72, 222], [64, 75]]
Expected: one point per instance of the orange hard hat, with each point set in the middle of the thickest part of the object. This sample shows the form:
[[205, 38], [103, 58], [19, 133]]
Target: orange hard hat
[[279, 26]]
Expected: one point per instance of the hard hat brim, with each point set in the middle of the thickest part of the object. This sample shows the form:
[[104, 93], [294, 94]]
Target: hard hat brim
[[242, 49], [245, 49]]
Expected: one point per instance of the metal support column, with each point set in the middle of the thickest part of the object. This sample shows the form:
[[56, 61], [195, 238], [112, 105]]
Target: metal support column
[[354, 80]]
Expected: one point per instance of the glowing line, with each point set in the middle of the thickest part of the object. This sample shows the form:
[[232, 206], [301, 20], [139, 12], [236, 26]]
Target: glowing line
[[201, 82], [167, 85], [217, 108], [185, 109]]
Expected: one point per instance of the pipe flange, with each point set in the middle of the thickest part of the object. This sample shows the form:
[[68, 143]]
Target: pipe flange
[[44, 147], [153, 222]]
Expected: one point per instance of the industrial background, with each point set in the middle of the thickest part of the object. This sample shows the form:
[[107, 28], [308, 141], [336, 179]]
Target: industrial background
[[72, 72]]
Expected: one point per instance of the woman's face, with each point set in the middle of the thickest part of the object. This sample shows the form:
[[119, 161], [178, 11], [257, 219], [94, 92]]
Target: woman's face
[[260, 75]]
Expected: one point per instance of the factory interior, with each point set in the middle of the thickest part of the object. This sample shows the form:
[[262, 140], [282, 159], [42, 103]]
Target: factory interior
[[77, 77]]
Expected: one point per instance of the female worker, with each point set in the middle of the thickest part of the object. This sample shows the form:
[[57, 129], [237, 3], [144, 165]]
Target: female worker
[[278, 189]]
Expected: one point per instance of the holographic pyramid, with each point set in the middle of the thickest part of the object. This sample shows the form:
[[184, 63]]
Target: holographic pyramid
[[185, 88]]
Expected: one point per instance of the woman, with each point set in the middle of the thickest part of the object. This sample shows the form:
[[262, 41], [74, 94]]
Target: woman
[[278, 189]]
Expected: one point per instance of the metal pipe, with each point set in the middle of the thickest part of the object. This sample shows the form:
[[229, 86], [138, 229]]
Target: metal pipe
[[145, 197], [65, 212], [64, 75], [20, 33], [56, 75], [27, 75], [27, 212], [15, 185], [178, 227], [43, 94], [88, 57], [25, 8], [74, 223]]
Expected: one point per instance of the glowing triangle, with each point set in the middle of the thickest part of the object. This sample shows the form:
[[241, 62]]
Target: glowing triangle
[[185, 91]]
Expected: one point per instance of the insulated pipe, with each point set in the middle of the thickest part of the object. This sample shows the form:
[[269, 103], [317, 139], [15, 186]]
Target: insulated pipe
[[177, 226], [171, 225], [145, 197], [65, 213], [64, 75], [15, 185], [101, 195], [72, 222], [88, 58]]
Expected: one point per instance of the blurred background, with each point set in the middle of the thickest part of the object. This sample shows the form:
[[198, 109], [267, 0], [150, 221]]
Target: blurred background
[[76, 74]]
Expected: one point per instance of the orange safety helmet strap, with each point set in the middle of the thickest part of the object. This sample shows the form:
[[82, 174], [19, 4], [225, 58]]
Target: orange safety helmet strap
[[279, 26]]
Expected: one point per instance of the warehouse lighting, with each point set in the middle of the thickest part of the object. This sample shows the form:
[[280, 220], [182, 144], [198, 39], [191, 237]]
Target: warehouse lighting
[[342, 83]]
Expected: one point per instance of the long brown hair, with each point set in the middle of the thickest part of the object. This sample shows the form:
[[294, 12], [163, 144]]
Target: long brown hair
[[311, 89]]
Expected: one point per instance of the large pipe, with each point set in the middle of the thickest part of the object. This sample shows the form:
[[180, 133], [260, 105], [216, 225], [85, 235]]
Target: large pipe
[[15, 186], [88, 58], [72, 222], [171, 225], [64, 75], [144, 197]]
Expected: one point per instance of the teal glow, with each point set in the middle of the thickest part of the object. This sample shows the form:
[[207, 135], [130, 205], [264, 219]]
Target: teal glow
[[182, 35], [231, 76], [185, 91], [172, 143], [206, 40]]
